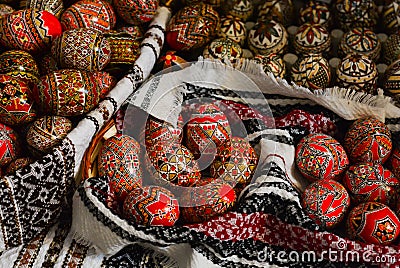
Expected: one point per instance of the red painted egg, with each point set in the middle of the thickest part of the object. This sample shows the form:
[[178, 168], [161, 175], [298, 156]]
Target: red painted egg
[[320, 156], [151, 206], [371, 182], [373, 222], [21, 65], [192, 27], [325, 202], [136, 11], [17, 164], [67, 92], [15, 106], [55, 7], [93, 14], [47, 132], [118, 159], [9, 145], [157, 130], [207, 129], [368, 140], [394, 162], [82, 49], [200, 204], [29, 29], [235, 159]]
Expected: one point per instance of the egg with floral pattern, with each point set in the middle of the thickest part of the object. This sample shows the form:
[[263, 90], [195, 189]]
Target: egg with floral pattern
[[10, 147]]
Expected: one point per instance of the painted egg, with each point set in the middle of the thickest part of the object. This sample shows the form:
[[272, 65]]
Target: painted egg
[[267, 37], [311, 71], [151, 206], [320, 156], [207, 129], [371, 182], [374, 223], [118, 159], [17, 164], [55, 7], [236, 159], [200, 204], [10, 147], [47, 132], [272, 63], [360, 41], [192, 27], [223, 49], [326, 202], [157, 130], [368, 140], [5, 10], [391, 48], [356, 13], [105, 82], [391, 17], [135, 11], [316, 12], [67, 92], [82, 49], [277, 10], [29, 29], [242, 9], [173, 165], [93, 14], [357, 72], [16, 108], [394, 162], [391, 81], [21, 65], [312, 38], [233, 28], [47, 64]]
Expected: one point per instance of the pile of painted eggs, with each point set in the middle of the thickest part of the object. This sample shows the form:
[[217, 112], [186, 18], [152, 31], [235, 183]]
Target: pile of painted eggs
[[58, 60], [315, 44], [355, 183], [184, 173]]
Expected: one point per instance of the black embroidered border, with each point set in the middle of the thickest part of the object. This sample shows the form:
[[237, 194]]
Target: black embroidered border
[[155, 26], [152, 47], [113, 102], [94, 120]]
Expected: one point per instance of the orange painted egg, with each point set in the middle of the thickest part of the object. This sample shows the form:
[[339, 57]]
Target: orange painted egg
[[9, 145], [136, 11], [29, 29], [19, 64]]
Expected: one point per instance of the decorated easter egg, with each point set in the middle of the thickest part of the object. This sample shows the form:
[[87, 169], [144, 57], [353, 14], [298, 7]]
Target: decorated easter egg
[[360, 40], [391, 48], [17, 164], [19, 64], [394, 162], [157, 130], [356, 13], [272, 63], [55, 7], [67, 92], [391, 17], [233, 28], [373, 222], [319, 156], [134, 11], [200, 204], [16, 108], [93, 14], [311, 71], [118, 159], [47, 64], [192, 27], [207, 129], [391, 82], [371, 182], [173, 165], [151, 206], [82, 49], [316, 12], [47, 132], [29, 29], [277, 10], [5, 10], [368, 140], [236, 159], [357, 72], [242, 9], [105, 82], [312, 38], [223, 49], [267, 37], [325, 202], [10, 147]]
